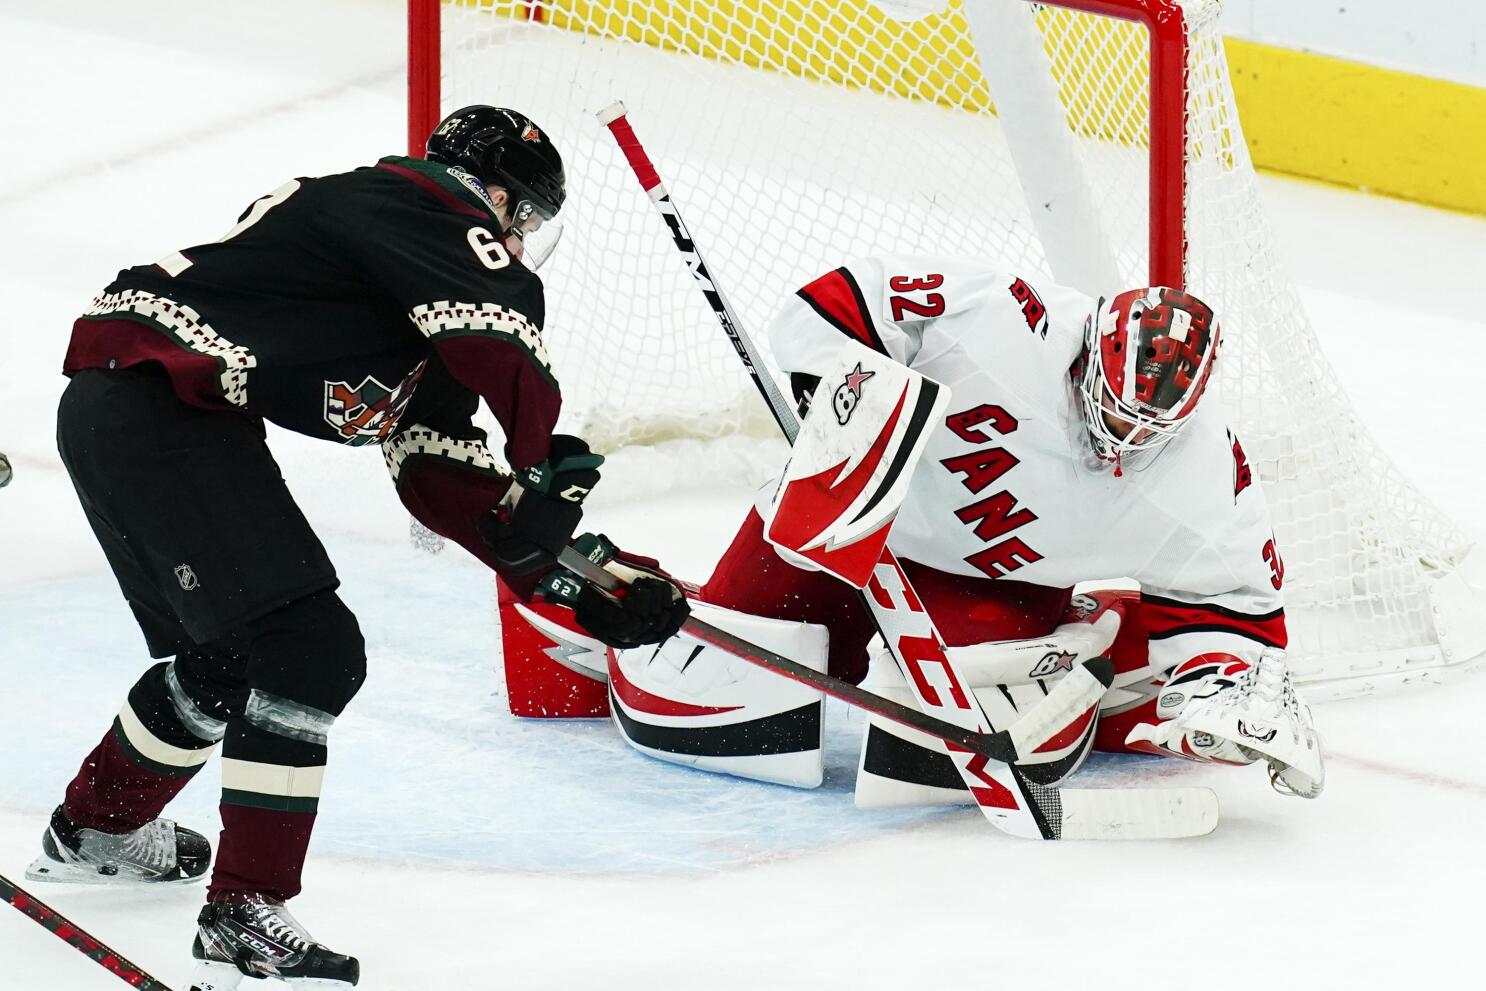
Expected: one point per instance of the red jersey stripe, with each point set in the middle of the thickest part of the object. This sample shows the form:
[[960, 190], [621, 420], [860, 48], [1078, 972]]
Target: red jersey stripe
[[1165, 618], [839, 301]]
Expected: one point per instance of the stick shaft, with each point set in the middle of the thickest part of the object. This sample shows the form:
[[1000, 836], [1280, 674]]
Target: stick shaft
[[615, 119], [90, 947], [997, 746]]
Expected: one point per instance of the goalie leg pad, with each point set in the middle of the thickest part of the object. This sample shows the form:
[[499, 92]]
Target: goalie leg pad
[[902, 767], [690, 703], [554, 668]]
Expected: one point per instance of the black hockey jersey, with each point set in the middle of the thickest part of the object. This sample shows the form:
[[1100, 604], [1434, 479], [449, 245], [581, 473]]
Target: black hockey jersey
[[369, 307]]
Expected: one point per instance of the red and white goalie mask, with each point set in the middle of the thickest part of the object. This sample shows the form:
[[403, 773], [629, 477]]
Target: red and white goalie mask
[[1147, 357]]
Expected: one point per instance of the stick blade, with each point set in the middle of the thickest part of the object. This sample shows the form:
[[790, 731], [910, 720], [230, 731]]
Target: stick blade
[[1138, 813]]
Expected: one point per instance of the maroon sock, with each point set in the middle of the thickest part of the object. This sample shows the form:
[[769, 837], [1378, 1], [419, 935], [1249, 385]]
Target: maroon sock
[[261, 851], [114, 793], [141, 763], [270, 794]]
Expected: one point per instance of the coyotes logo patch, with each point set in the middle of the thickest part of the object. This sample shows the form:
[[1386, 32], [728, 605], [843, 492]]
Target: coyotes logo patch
[[368, 413]]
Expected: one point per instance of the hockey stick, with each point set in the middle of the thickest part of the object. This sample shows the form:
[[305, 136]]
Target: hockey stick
[[908, 632], [1011, 802], [74, 937], [1073, 695]]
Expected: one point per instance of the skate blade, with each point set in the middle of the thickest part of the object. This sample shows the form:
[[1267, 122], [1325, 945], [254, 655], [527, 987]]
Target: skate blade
[[47, 870], [212, 976]]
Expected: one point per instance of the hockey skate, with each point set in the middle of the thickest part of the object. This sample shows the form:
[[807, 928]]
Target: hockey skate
[[158, 852], [254, 936], [1237, 713], [1266, 719]]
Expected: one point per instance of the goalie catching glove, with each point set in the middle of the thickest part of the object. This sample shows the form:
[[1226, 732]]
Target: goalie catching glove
[[1230, 712], [542, 509], [650, 608]]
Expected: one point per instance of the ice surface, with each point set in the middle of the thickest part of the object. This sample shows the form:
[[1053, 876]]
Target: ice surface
[[460, 847]]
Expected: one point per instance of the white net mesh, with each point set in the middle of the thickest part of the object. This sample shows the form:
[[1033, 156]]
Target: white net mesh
[[795, 135]]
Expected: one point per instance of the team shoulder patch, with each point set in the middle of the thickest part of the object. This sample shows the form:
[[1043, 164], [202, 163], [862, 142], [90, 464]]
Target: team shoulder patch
[[1243, 475], [1033, 309]]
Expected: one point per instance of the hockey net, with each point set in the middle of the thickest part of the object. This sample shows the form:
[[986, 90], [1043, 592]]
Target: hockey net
[[1093, 139]]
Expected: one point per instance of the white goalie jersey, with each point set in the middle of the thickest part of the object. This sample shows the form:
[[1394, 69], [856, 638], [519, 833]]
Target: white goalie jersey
[[1009, 486]]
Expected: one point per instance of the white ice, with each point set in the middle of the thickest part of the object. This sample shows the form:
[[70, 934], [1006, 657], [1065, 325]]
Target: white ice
[[461, 848]]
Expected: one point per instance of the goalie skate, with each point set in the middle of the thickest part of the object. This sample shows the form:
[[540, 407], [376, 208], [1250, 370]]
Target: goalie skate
[[1245, 714], [1264, 717], [159, 852]]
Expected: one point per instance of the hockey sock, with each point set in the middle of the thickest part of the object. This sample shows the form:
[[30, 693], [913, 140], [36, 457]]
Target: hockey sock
[[270, 795], [141, 763], [305, 662]]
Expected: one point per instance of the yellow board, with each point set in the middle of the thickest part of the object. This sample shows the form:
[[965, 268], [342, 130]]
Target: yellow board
[[929, 59], [1358, 125]]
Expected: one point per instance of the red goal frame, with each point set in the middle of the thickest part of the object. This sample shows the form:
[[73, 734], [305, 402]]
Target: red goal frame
[[1164, 20]]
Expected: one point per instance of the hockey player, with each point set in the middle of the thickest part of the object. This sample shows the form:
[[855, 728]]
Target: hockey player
[[377, 306], [1077, 446]]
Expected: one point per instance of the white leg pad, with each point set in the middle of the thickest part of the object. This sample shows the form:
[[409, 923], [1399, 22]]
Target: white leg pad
[[901, 766], [690, 703]]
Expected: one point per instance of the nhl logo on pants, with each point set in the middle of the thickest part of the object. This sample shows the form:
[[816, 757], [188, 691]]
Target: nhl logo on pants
[[186, 577]]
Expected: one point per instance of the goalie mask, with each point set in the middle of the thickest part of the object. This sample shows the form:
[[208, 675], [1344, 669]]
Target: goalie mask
[[1147, 357]]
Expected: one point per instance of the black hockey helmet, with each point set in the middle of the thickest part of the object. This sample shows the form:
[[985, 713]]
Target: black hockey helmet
[[503, 148]]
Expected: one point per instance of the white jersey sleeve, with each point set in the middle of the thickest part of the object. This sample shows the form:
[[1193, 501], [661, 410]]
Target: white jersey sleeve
[[1223, 596]]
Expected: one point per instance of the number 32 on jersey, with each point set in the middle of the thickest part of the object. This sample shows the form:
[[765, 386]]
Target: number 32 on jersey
[[914, 298]]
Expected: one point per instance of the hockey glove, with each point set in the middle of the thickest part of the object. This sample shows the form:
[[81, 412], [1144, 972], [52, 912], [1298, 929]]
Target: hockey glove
[[537, 518], [650, 609]]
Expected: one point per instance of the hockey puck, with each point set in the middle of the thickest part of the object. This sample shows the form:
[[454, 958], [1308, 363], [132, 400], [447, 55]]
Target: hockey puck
[[6, 474]]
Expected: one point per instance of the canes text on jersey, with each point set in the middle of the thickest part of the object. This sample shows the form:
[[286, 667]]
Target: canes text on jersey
[[996, 515]]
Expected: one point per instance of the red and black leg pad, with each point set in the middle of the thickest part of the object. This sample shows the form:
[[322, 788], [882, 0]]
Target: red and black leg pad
[[554, 668]]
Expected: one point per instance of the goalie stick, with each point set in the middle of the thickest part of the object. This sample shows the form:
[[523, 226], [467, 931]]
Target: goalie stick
[[1011, 802], [1072, 696], [92, 948]]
